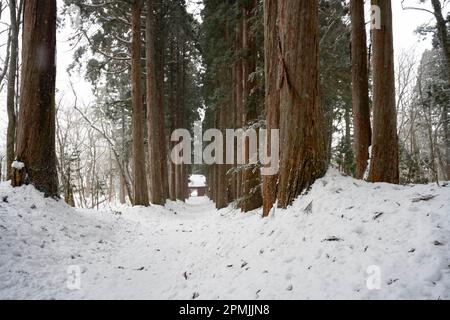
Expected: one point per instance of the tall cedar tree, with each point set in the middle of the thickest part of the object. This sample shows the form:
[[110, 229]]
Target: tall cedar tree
[[155, 127], [222, 121], [36, 127], [302, 145], [360, 88], [239, 104], [160, 46], [140, 189], [385, 150], [173, 119], [272, 99], [180, 113]]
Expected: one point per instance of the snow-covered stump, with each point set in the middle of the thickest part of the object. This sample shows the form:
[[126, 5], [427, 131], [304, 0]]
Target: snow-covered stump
[[18, 174]]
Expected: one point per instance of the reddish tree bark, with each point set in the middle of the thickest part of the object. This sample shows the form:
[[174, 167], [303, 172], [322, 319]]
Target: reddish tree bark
[[157, 186], [272, 98], [36, 126], [160, 63], [173, 122], [303, 151], [239, 100], [222, 195], [360, 88], [140, 188], [385, 154], [180, 115], [251, 190]]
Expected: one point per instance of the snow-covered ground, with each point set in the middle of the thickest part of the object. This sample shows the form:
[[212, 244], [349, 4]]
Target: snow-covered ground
[[341, 239]]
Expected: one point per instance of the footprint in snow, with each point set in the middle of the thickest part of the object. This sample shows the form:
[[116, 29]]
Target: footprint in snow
[[392, 281], [332, 239]]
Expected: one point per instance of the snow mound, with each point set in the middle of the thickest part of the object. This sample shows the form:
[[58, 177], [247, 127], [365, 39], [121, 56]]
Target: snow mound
[[344, 239], [18, 165], [40, 239], [197, 180]]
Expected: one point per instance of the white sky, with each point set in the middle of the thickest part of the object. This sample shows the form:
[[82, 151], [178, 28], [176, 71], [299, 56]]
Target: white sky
[[405, 23]]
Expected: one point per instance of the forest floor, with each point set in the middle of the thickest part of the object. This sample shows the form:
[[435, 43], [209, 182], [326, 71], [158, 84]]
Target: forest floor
[[345, 239]]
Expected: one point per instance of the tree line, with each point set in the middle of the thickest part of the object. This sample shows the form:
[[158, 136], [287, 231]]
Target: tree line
[[303, 67], [287, 65]]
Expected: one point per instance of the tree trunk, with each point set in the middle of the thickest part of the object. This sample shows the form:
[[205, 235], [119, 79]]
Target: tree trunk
[[36, 130], [434, 174], [11, 91], [415, 174], [446, 129], [239, 102], [68, 189], [140, 189], [360, 88], [385, 154], [122, 191], [271, 35], [303, 151], [232, 177], [173, 123], [251, 177], [186, 182], [222, 195], [153, 113], [180, 177], [159, 73], [211, 182]]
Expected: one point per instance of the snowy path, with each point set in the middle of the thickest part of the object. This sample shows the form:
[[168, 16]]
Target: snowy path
[[157, 261], [322, 247]]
